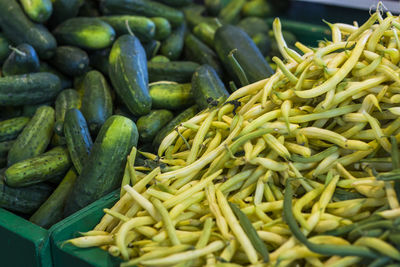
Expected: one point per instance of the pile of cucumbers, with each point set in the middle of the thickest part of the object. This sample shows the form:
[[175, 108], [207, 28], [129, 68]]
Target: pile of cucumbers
[[83, 81]]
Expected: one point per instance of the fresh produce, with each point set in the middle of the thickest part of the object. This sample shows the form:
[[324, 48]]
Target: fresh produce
[[67, 99], [22, 60], [10, 129], [299, 168], [142, 27], [172, 46], [4, 48], [171, 95], [37, 10], [163, 28], [150, 124], [70, 60], [177, 71], [64, 9]]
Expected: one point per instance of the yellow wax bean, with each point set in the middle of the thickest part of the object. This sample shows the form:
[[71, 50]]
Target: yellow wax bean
[[91, 241], [379, 245]]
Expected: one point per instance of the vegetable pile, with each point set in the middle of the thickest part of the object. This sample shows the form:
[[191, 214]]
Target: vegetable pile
[[299, 168]]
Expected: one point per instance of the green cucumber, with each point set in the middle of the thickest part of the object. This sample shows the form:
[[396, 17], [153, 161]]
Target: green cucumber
[[172, 46], [65, 100], [20, 29], [5, 147], [4, 48], [57, 140], [142, 27], [231, 12], [197, 51], [128, 74], [160, 58], [151, 48], [37, 10], [25, 200], [263, 43], [99, 60], [176, 71], [207, 87], [70, 60], [149, 125], [170, 95], [253, 26], [194, 15], [215, 6], [35, 137], [22, 60], [176, 3], [86, 33], [145, 8], [39, 168], [123, 111], [89, 9], [205, 32], [64, 9], [103, 170], [181, 117], [51, 211], [258, 8], [30, 110], [11, 128], [229, 37], [77, 137], [163, 28], [9, 112], [97, 104], [65, 81], [32, 88]]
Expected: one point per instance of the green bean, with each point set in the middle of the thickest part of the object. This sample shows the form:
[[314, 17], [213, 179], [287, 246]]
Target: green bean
[[324, 249], [381, 261], [357, 232], [255, 239]]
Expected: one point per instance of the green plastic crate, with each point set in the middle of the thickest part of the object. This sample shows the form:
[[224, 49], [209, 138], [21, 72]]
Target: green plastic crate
[[22, 242], [82, 221]]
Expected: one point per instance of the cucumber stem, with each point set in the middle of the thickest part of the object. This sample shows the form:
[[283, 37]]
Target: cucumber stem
[[237, 68]]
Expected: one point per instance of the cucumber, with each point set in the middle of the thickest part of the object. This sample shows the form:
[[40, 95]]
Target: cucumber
[[25, 200], [32, 88], [65, 81], [20, 29], [215, 6], [177, 71], [205, 32], [172, 46], [199, 52], [89, 9], [263, 43], [37, 10], [142, 27], [149, 125], [145, 8], [5, 147], [35, 137], [99, 60], [65, 100], [258, 8], [163, 28], [123, 111], [172, 96], [30, 110], [181, 117], [57, 140], [70, 60], [11, 128], [103, 170], [207, 87], [4, 48], [77, 137], [151, 48], [64, 9], [194, 15], [86, 33], [39, 168], [176, 3], [253, 26], [51, 211], [22, 60], [97, 104], [128, 74], [229, 37], [231, 12], [160, 58]]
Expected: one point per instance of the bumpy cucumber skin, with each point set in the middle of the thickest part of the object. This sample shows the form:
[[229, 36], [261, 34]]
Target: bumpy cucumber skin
[[39, 168], [99, 60], [20, 29], [229, 37], [32, 88], [171, 96], [103, 170], [11, 128], [181, 117], [142, 27], [172, 46], [128, 74], [65, 100], [176, 71], [207, 87], [97, 104], [160, 58], [205, 31], [140, 7], [37, 10], [65, 81], [77, 137], [163, 28], [24, 199], [35, 137], [150, 124], [86, 33], [51, 211], [70, 60], [231, 12], [21, 63], [4, 147]]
